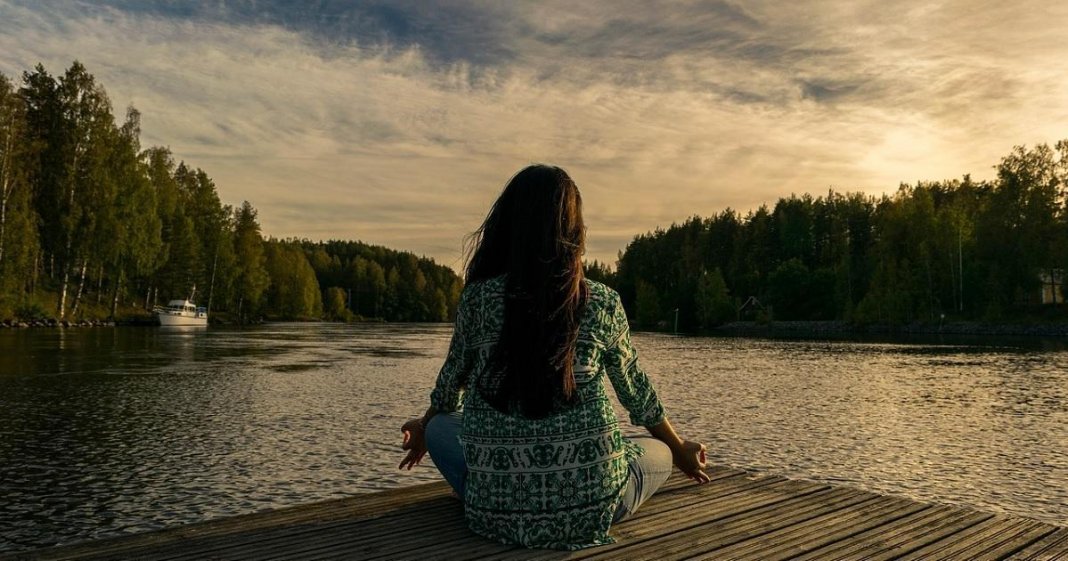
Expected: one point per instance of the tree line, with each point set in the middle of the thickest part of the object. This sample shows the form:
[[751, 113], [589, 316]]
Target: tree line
[[92, 225], [358, 280], [956, 249]]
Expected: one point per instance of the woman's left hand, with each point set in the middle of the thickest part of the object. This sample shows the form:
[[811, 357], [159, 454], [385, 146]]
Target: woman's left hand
[[414, 443]]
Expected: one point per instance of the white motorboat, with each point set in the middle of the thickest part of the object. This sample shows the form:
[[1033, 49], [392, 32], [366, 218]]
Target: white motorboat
[[182, 312]]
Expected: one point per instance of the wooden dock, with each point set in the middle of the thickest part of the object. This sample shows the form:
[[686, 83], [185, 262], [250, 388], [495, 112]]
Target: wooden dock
[[738, 515]]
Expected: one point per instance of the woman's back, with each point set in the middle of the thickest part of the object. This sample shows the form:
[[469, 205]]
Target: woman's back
[[553, 481], [536, 452]]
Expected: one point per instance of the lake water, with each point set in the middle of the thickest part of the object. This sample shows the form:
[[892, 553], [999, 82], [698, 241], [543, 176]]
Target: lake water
[[113, 431]]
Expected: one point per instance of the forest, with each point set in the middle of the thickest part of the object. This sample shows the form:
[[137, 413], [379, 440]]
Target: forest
[[956, 250], [92, 225]]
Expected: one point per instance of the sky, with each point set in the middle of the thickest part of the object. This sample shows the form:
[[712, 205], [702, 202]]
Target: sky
[[399, 122]]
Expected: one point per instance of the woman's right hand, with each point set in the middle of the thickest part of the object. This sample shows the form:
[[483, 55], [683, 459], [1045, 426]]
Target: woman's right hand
[[414, 442], [690, 458]]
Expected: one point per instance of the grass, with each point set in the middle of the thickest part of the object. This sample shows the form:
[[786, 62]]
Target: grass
[[43, 304]]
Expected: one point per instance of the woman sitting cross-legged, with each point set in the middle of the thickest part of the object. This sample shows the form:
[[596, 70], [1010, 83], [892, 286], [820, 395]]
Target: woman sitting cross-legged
[[519, 421]]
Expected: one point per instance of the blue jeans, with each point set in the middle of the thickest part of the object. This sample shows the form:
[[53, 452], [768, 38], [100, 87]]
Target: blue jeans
[[646, 473]]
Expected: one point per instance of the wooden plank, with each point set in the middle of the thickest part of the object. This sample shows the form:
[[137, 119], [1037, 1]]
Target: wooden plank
[[267, 536], [997, 533], [917, 529], [737, 515], [789, 542], [737, 502], [755, 531], [280, 542], [371, 550], [389, 545], [1052, 547], [466, 544], [701, 534], [718, 490], [455, 531], [940, 533], [678, 487], [631, 532], [738, 492], [724, 494], [372, 535], [1024, 534], [368, 505]]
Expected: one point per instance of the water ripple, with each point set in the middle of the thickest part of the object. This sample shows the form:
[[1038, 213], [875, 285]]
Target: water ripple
[[109, 432]]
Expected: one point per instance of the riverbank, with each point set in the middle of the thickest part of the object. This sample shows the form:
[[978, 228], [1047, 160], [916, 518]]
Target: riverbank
[[737, 329], [823, 328], [35, 323], [140, 320], [148, 321]]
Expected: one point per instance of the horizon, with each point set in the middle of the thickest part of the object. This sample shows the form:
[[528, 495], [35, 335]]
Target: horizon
[[399, 124]]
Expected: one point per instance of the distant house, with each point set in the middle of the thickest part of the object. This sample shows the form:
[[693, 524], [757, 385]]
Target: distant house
[[1052, 286], [751, 309]]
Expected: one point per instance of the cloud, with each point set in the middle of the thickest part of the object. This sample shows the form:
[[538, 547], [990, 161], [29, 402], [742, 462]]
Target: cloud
[[446, 30], [398, 123]]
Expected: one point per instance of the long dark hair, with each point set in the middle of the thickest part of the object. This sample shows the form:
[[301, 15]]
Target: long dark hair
[[533, 234]]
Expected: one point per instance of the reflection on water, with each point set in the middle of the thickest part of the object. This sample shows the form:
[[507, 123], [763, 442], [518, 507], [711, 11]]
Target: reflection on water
[[111, 431], [979, 425]]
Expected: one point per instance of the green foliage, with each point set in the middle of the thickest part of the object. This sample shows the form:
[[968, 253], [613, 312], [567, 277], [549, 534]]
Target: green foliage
[[18, 230], [334, 305], [713, 301], [99, 225], [796, 293], [384, 283], [91, 222], [648, 305], [294, 291], [252, 278], [788, 290], [970, 250], [32, 310]]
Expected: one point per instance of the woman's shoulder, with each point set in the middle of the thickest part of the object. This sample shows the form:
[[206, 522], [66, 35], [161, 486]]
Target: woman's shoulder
[[600, 296], [603, 310], [601, 293], [483, 286]]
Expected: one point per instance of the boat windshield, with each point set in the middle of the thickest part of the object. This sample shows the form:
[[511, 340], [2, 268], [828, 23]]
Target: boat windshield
[[181, 307]]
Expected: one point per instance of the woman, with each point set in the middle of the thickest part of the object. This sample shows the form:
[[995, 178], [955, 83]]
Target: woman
[[535, 450]]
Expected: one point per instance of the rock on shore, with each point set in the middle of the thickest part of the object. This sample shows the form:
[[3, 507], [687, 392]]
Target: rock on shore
[[21, 324]]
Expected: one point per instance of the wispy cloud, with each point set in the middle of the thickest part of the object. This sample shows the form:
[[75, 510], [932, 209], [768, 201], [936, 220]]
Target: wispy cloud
[[398, 123]]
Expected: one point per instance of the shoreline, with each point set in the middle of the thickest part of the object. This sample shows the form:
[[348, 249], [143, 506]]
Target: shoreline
[[53, 323], [818, 328], [736, 328]]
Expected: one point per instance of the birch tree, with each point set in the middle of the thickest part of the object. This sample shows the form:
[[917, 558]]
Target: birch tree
[[86, 120], [18, 236]]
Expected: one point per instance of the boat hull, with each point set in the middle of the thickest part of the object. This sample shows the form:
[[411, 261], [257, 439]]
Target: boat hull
[[168, 320]]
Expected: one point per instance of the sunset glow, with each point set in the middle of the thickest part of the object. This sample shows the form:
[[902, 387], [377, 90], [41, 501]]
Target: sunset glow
[[398, 123]]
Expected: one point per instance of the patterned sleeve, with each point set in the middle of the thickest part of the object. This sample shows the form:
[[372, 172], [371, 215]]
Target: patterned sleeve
[[632, 386], [448, 390]]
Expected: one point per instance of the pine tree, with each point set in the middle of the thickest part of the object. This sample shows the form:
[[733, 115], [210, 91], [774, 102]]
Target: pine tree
[[251, 278]]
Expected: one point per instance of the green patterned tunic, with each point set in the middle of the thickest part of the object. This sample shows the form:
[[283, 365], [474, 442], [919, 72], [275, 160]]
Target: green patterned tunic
[[552, 482]]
